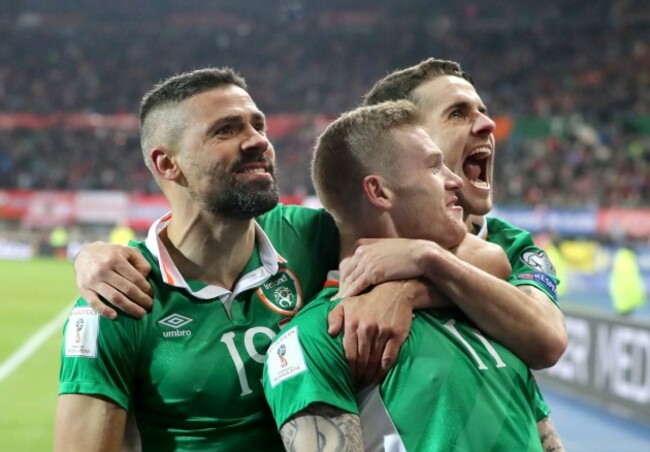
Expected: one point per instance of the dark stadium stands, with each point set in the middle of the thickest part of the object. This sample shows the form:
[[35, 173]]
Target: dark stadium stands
[[578, 71]]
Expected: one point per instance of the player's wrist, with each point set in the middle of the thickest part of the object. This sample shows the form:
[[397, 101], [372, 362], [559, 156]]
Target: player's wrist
[[430, 258], [416, 293]]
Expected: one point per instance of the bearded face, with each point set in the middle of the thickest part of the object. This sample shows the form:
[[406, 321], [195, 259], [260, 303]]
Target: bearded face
[[249, 189], [225, 157]]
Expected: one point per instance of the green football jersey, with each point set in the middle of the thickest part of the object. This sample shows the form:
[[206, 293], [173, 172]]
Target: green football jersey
[[530, 264], [450, 389], [191, 369]]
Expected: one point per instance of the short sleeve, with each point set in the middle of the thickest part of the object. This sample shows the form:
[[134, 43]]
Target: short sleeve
[[304, 365], [530, 264], [97, 355]]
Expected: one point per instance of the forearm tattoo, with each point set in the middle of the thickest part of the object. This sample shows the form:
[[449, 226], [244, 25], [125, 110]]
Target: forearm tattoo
[[321, 427], [549, 437]]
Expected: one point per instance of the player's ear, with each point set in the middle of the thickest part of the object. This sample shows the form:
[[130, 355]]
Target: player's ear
[[164, 164], [377, 191]]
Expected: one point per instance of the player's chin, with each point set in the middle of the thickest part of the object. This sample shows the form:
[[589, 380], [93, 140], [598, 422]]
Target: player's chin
[[456, 237], [455, 232], [477, 205]]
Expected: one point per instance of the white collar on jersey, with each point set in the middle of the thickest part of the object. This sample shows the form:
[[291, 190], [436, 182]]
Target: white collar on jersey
[[172, 276], [333, 278]]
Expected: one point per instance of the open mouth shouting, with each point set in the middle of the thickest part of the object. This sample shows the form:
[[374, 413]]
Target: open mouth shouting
[[476, 167]]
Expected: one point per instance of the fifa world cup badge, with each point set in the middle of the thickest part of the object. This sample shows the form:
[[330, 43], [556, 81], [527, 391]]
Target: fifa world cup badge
[[79, 325]]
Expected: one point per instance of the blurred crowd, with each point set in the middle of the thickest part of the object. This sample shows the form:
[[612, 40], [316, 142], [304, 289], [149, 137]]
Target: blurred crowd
[[604, 166], [586, 63]]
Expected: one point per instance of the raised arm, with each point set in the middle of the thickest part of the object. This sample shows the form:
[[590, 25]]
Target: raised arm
[[116, 274], [321, 427], [87, 424], [521, 318]]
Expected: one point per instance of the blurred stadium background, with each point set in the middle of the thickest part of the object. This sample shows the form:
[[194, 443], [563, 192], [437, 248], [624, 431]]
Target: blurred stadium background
[[568, 83]]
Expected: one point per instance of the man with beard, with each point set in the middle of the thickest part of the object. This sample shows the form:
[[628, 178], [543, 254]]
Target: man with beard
[[534, 331], [522, 315], [190, 370], [223, 284]]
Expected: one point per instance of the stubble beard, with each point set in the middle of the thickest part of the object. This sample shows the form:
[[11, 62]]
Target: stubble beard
[[243, 201]]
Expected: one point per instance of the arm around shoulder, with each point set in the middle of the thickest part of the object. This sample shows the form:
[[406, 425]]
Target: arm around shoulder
[[552, 321], [482, 254], [492, 259], [522, 318], [115, 273]]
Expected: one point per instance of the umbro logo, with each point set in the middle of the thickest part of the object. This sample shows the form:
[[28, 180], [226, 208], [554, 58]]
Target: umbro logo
[[176, 321]]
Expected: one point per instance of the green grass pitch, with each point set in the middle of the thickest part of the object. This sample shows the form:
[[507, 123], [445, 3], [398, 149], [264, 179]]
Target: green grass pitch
[[35, 293]]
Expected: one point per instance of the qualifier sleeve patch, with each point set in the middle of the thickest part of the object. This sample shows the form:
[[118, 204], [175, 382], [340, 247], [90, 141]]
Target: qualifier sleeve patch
[[542, 279], [284, 358], [81, 333], [538, 261]]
